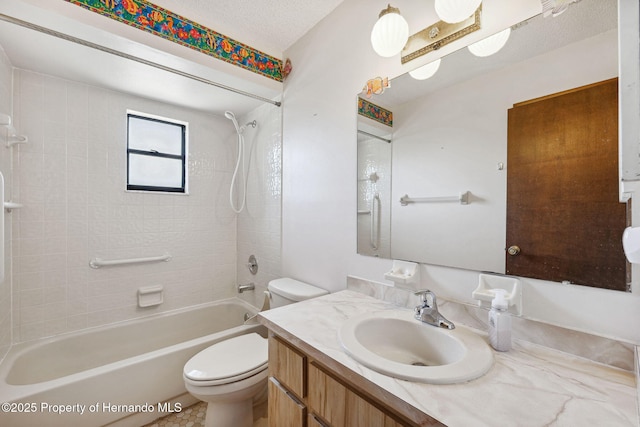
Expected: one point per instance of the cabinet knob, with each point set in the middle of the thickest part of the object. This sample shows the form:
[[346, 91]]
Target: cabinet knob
[[513, 250]]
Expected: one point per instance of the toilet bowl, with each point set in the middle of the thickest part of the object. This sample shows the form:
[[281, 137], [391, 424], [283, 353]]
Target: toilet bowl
[[231, 375]]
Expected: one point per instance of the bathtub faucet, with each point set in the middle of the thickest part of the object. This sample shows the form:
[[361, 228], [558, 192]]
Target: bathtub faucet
[[248, 287]]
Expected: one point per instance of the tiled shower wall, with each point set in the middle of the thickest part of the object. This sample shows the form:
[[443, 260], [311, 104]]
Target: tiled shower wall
[[259, 224], [71, 179], [5, 167]]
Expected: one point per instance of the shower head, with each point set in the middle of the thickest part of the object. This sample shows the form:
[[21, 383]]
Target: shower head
[[229, 115]]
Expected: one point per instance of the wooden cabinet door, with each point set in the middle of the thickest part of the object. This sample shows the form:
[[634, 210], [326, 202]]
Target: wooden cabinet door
[[284, 409], [288, 366], [341, 407], [314, 421], [563, 210]]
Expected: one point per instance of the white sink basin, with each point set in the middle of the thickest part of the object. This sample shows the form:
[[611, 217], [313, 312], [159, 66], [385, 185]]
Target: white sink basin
[[395, 344]]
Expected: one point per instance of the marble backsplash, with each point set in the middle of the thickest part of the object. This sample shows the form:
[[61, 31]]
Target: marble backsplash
[[598, 349]]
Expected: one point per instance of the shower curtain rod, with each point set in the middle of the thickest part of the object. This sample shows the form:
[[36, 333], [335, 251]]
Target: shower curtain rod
[[76, 40], [374, 136]]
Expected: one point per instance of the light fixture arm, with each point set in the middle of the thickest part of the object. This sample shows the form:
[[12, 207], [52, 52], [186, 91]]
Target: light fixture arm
[[389, 9], [438, 35]]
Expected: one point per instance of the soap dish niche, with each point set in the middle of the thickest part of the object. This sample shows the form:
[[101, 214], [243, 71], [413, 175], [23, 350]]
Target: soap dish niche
[[404, 274], [489, 283], [150, 296], [10, 135]]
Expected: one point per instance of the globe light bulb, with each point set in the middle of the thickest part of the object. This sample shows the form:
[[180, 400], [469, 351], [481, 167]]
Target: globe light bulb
[[426, 71], [390, 33], [453, 11], [491, 44]]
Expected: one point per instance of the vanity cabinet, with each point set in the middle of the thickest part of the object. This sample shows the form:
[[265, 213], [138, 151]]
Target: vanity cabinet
[[287, 385], [339, 405], [290, 411], [303, 392]]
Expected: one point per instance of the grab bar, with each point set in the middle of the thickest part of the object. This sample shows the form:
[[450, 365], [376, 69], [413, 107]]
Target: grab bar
[[463, 198], [98, 262], [9, 206], [1, 229], [374, 229]]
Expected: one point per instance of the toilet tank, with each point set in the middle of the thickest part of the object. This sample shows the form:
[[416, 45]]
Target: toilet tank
[[287, 291]]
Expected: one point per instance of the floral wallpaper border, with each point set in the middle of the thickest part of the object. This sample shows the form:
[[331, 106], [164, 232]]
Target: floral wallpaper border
[[147, 16], [375, 112]]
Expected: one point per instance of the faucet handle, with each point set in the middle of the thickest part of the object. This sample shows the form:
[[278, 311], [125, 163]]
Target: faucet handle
[[424, 297]]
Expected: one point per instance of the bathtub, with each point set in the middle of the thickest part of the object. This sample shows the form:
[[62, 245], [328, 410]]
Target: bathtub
[[128, 373]]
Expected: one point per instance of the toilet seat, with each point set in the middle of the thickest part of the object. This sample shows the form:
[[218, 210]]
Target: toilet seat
[[228, 361]]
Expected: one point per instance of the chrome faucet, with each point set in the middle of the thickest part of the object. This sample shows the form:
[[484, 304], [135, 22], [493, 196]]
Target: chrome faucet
[[427, 312], [248, 287]]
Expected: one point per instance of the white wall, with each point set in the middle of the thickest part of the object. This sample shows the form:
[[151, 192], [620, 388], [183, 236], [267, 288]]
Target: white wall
[[71, 180], [331, 63], [6, 96]]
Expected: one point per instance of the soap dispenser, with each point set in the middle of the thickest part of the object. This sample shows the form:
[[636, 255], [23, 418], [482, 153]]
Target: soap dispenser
[[500, 322]]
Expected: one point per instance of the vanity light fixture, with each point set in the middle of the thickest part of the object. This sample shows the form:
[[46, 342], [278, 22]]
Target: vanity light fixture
[[491, 44], [390, 32], [438, 35], [454, 11], [426, 71]]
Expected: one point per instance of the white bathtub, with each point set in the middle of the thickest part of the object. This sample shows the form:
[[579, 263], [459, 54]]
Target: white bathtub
[[103, 375]]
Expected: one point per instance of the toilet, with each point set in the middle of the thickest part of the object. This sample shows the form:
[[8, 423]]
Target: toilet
[[231, 375], [286, 291]]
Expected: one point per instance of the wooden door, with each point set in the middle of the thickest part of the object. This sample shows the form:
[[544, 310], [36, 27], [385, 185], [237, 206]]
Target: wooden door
[[562, 188]]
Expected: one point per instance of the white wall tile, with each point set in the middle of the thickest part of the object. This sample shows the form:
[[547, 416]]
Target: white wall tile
[[259, 224], [76, 208], [71, 179]]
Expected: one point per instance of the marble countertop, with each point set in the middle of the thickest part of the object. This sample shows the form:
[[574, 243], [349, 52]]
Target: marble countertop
[[530, 385]]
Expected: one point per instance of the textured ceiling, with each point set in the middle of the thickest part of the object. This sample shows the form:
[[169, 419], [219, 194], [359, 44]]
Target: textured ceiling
[[267, 25], [271, 26]]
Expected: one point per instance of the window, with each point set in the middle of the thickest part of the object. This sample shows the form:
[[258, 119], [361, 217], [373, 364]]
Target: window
[[156, 154]]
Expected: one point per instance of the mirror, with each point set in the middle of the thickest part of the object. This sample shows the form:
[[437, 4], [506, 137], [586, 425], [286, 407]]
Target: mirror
[[374, 188], [448, 148]]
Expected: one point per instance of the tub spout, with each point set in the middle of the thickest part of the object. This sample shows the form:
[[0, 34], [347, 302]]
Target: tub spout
[[248, 287]]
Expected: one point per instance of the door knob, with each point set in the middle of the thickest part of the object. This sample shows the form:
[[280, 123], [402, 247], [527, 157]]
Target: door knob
[[513, 250]]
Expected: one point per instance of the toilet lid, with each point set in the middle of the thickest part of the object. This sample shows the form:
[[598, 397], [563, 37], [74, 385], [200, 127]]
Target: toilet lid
[[231, 359], [294, 289]]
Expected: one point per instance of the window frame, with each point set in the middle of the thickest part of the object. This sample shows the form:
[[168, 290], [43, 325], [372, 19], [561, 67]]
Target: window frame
[[183, 156]]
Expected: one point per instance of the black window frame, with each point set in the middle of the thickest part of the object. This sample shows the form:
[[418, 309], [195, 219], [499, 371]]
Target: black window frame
[[183, 156]]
